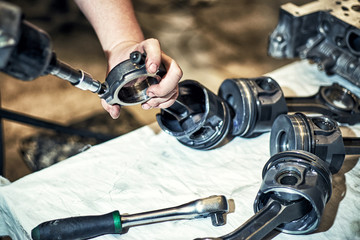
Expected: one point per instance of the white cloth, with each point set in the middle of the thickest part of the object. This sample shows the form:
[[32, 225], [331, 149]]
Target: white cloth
[[148, 170]]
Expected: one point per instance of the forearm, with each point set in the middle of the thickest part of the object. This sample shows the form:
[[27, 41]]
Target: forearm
[[114, 21]]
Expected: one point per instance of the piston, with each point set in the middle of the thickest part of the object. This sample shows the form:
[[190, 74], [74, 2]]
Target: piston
[[198, 119], [291, 176], [295, 189], [318, 135], [257, 102]]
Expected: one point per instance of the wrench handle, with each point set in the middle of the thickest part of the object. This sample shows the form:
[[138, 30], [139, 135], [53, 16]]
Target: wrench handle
[[79, 227]]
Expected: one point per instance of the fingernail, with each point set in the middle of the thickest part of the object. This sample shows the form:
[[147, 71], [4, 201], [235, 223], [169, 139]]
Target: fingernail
[[151, 94], [153, 68], [145, 106]]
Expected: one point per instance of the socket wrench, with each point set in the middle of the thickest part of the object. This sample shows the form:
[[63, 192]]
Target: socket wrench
[[318, 135], [91, 226], [256, 102], [296, 186], [198, 119]]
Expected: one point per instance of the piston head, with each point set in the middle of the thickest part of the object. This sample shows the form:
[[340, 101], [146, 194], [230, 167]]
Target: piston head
[[291, 176], [198, 119], [318, 135], [255, 102]]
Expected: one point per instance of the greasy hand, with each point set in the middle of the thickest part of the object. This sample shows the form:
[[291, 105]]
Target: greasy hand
[[162, 95]]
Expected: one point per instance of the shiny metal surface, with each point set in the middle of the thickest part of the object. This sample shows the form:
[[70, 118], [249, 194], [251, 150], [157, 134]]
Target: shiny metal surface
[[318, 135], [127, 82], [213, 206], [198, 119], [291, 176], [256, 102], [295, 188]]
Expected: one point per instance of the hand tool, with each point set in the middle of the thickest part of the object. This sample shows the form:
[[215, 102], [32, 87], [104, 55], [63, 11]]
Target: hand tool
[[318, 135], [26, 53], [198, 119], [112, 223], [256, 102], [296, 186]]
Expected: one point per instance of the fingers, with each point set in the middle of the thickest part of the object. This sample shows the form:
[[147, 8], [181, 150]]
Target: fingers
[[162, 102], [153, 54], [164, 94], [113, 110]]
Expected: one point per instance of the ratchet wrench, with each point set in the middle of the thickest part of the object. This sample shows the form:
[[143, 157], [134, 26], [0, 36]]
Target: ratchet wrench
[[85, 227]]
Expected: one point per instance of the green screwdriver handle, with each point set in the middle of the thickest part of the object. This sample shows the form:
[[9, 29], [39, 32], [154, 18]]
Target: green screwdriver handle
[[78, 227]]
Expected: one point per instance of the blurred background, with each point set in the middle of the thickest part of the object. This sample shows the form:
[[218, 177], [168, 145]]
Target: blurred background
[[210, 39]]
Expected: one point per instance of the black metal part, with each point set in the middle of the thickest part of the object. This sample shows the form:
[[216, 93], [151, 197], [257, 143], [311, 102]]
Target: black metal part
[[9, 24], [25, 119], [326, 32], [290, 176], [198, 119], [334, 101], [352, 146], [295, 188], [255, 102], [318, 135], [127, 82], [268, 218], [31, 54]]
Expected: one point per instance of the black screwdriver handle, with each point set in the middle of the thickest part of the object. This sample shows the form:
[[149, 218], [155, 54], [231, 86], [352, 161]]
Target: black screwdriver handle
[[78, 227]]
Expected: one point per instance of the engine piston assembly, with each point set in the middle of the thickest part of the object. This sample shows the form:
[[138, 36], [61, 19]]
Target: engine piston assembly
[[257, 102], [198, 119], [295, 189], [318, 135]]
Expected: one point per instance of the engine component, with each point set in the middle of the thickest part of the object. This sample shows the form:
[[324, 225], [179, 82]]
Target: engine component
[[127, 82], [256, 102], [198, 119], [295, 188], [318, 135], [326, 32], [335, 101], [26, 53], [112, 223]]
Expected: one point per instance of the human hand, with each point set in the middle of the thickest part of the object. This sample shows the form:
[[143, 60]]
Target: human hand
[[164, 93]]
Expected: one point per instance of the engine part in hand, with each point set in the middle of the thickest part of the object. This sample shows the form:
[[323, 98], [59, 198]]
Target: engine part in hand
[[26, 53], [295, 188], [198, 119], [127, 82], [318, 135], [256, 102], [334, 101], [113, 223], [326, 32]]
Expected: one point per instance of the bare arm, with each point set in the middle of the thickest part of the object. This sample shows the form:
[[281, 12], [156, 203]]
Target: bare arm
[[119, 33]]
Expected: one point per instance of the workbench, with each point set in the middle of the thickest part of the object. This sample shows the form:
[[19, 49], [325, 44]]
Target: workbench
[[148, 169]]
